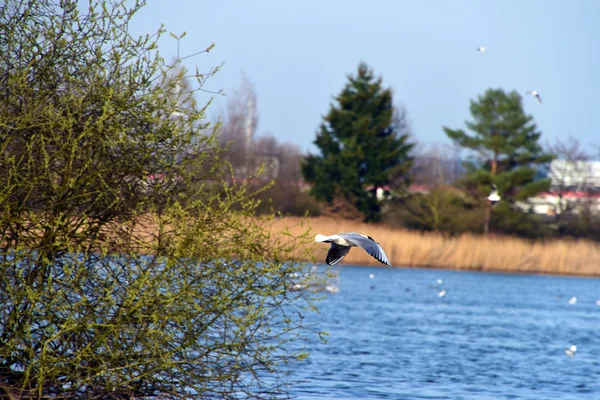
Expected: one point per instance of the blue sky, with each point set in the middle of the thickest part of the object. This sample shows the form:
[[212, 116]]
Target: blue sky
[[299, 53]]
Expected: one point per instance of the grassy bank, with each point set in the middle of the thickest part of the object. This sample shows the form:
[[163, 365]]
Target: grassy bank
[[466, 252]]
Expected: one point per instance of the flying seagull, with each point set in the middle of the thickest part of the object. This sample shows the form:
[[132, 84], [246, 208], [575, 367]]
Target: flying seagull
[[571, 350], [482, 49], [535, 94], [494, 197], [341, 243]]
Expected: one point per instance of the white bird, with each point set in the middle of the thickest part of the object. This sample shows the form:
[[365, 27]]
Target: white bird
[[598, 303], [494, 197], [439, 281], [482, 49], [380, 194], [442, 293], [535, 94], [341, 244], [332, 288], [371, 276], [571, 350], [573, 300]]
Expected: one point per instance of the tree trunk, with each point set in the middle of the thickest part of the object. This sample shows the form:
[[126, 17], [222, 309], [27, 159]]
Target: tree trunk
[[486, 219], [488, 204]]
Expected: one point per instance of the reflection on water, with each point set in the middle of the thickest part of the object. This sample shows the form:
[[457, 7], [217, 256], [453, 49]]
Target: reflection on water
[[490, 336], [316, 281]]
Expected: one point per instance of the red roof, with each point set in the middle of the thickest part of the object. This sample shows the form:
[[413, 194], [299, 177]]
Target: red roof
[[573, 195]]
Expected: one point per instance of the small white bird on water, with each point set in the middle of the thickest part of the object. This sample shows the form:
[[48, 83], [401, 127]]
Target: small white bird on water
[[341, 244], [535, 94], [332, 288], [573, 300], [442, 293], [571, 350], [482, 49], [494, 197]]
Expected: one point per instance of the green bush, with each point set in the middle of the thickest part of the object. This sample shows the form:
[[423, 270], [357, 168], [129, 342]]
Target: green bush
[[128, 268]]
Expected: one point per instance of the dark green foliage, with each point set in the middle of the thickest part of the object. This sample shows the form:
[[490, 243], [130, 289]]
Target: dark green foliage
[[364, 143], [505, 151], [442, 209]]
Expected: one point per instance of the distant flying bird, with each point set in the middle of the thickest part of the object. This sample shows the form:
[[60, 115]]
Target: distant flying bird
[[571, 350], [573, 300], [482, 49], [341, 244], [494, 197], [535, 94]]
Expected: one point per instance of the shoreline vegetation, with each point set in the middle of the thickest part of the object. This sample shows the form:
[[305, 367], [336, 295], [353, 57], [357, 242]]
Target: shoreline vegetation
[[467, 252]]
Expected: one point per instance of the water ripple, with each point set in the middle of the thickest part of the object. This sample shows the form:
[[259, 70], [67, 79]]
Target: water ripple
[[493, 336]]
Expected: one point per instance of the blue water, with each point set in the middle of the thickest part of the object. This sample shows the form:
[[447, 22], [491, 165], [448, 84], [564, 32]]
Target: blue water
[[493, 336]]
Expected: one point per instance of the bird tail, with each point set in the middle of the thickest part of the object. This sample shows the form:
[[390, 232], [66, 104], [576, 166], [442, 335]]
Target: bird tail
[[320, 238]]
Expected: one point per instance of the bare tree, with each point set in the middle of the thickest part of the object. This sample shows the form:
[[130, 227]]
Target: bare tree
[[569, 172], [572, 183], [281, 165], [436, 165], [239, 127], [281, 159], [248, 152]]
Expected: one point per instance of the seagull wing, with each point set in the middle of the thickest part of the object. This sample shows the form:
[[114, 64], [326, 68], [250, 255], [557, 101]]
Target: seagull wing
[[336, 253], [539, 98], [370, 246]]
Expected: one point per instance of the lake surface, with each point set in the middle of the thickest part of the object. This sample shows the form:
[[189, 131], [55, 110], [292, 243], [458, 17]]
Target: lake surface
[[492, 336]]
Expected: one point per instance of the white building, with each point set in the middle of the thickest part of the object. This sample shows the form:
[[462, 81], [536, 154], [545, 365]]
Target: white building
[[575, 175], [574, 185], [551, 203]]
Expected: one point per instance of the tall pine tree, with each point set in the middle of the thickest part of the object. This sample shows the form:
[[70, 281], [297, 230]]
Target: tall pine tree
[[364, 144], [506, 152]]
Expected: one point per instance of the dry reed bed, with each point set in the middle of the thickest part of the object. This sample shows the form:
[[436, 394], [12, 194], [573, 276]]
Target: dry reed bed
[[465, 252]]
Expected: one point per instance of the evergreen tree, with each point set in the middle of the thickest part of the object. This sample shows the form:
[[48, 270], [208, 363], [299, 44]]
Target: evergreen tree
[[507, 153], [364, 144]]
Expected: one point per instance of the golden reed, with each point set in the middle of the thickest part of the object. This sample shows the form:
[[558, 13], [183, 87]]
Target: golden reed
[[465, 252]]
